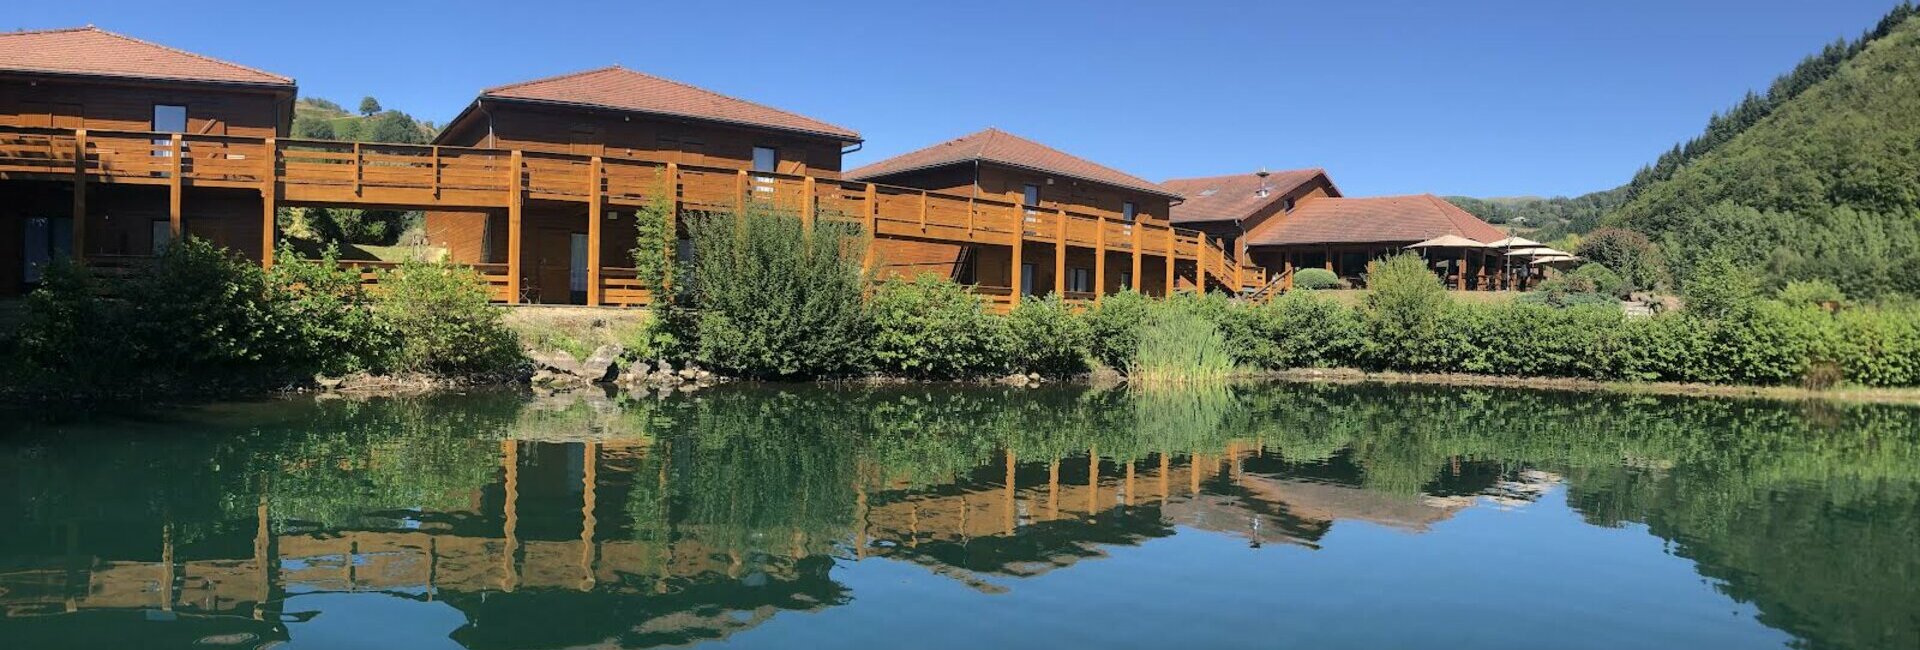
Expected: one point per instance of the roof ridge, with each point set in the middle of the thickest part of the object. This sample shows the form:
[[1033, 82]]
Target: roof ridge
[[51, 30], [1317, 170], [181, 52], [1450, 211], [620, 68], [552, 77], [1037, 143]]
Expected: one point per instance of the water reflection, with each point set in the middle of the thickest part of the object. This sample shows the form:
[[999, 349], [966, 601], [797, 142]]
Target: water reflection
[[638, 523]]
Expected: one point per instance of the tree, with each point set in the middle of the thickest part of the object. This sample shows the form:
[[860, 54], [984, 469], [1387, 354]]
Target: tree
[[396, 127], [1628, 253], [369, 106]]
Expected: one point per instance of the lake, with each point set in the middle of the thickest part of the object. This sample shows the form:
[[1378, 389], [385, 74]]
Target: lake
[[1290, 515]]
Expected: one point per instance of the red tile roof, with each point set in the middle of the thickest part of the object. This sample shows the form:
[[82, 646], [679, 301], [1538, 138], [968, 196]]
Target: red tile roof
[[1236, 197], [1386, 219], [997, 146], [92, 51], [618, 88]]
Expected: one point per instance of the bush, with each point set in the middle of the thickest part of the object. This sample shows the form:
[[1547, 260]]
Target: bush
[[1627, 252], [1879, 347], [1811, 292], [1721, 289], [1404, 300], [1602, 280], [1114, 325], [1048, 338], [932, 328], [1316, 278], [1297, 330], [327, 323], [442, 322], [771, 298]]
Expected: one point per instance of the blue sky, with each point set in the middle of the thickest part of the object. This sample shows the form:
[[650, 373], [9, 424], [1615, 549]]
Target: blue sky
[[1495, 98]]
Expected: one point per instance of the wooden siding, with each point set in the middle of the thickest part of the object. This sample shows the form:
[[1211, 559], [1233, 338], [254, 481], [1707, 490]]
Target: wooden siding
[[41, 101], [638, 136]]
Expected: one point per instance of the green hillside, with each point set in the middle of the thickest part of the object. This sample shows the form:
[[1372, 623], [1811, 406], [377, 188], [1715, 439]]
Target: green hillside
[[1825, 186], [321, 119]]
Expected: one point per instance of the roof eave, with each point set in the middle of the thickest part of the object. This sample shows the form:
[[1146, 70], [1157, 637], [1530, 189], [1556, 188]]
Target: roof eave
[[917, 168], [288, 85]]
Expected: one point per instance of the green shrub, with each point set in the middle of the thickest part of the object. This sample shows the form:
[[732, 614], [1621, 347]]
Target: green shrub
[[1773, 343], [1811, 292], [326, 318], [1879, 347], [1721, 289], [1115, 327], [1403, 303], [440, 317], [58, 341], [1179, 345], [1668, 347], [1602, 280], [933, 328], [1531, 340], [1047, 337], [1316, 278], [1631, 254], [1297, 330], [772, 298]]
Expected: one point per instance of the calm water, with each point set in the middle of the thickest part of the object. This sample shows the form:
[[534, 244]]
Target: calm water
[[1285, 516]]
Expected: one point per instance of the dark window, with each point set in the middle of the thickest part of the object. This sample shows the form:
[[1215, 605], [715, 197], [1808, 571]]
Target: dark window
[[1286, 204], [766, 159], [1080, 280], [1129, 211], [1032, 195], [167, 118]]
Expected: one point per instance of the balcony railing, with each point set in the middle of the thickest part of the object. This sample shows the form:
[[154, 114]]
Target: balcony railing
[[429, 177]]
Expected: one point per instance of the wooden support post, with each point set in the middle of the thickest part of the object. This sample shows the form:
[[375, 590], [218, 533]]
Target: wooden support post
[[1060, 254], [1133, 235], [923, 212], [589, 498], [1287, 284], [515, 197], [510, 512], [1239, 276], [595, 170], [359, 164], [1019, 235], [1328, 253], [79, 194], [673, 223], [740, 194], [1172, 245], [873, 224], [1460, 281], [807, 197], [1099, 256], [175, 225], [269, 202], [1200, 263], [1093, 481], [436, 172], [1013, 511]]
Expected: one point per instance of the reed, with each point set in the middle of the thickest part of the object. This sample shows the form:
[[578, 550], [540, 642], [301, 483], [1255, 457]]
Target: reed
[[1180, 346]]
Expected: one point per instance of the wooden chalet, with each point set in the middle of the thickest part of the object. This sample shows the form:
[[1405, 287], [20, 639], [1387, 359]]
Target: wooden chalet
[[1343, 235], [535, 183], [97, 126], [1298, 219], [1094, 230]]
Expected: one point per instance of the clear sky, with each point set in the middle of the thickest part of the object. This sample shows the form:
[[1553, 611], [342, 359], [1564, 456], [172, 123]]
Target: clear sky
[[1494, 98]]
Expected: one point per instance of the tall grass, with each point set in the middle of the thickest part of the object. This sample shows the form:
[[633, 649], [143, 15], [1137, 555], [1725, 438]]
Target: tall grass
[[1180, 346]]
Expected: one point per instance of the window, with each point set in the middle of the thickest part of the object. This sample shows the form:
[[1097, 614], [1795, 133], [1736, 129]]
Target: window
[[1080, 280], [1286, 204], [1026, 279], [167, 118], [1126, 280], [766, 159], [1128, 211], [1032, 192]]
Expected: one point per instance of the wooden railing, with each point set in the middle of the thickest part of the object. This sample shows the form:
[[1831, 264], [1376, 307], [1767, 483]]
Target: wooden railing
[[436, 177]]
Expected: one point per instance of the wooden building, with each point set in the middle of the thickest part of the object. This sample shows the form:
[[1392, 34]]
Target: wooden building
[[615, 113], [1228, 207], [1343, 234], [73, 99], [1051, 189]]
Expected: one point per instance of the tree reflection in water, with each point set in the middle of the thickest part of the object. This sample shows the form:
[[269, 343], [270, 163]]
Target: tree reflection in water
[[562, 522]]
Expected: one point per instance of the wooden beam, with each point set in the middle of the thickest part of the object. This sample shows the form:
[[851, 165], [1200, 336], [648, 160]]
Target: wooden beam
[[740, 194], [1133, 234], [79, 224], [1019, 236], [269, 202], [1099, 256], [359, 164], [873, 224], [1060, 254], [672, 225], [175, 226], [807, 197], [515, 197], [1172, 244], [923, 211], [595, 170], [436, 171]]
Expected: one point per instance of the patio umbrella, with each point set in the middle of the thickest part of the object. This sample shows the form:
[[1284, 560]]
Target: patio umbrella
[[1449, 241], [1514, 242]]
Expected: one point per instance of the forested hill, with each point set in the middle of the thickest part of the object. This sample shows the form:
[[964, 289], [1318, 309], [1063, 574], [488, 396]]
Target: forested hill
[[1825, 186], [320, 119], [1561, 215]]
